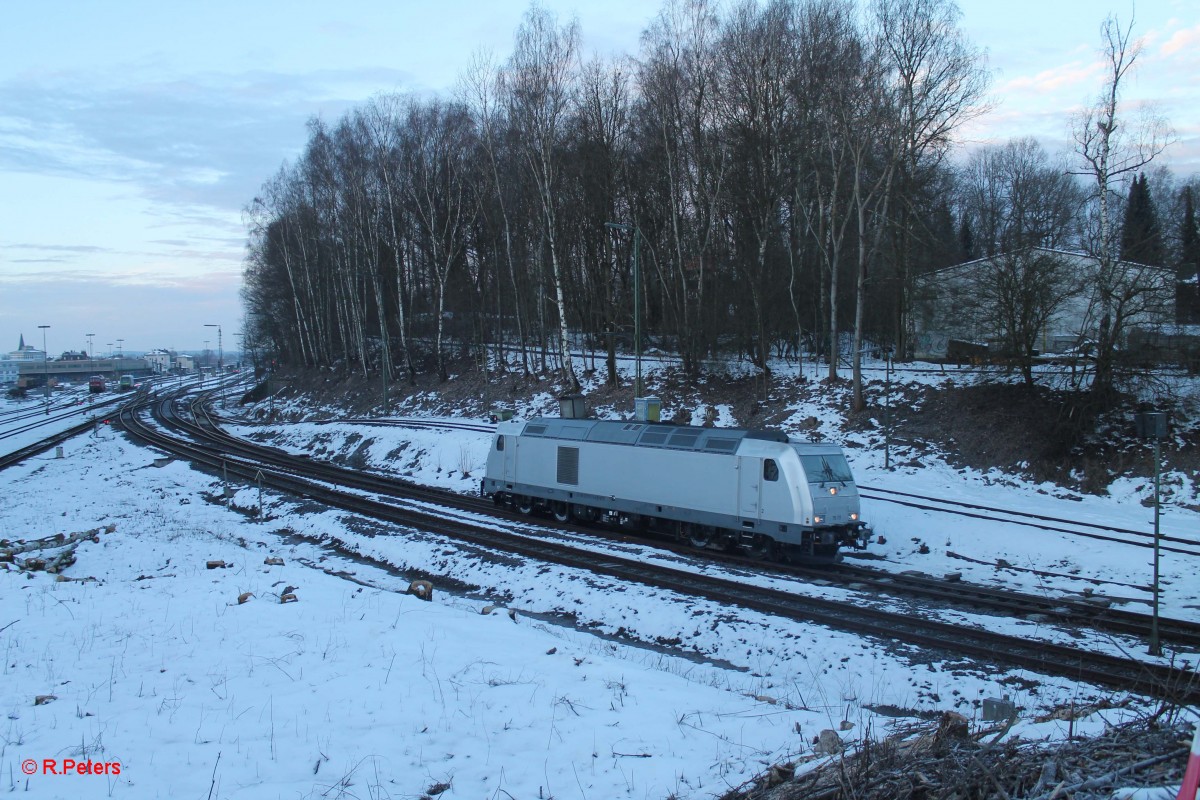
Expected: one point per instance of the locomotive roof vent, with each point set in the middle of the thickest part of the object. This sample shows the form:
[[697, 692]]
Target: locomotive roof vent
[[647, 409]]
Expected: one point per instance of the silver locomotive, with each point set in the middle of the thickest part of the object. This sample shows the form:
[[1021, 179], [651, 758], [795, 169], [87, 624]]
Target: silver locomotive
[[714, 487]]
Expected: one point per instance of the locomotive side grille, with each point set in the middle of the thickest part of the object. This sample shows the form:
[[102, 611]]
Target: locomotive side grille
[[568, 465]]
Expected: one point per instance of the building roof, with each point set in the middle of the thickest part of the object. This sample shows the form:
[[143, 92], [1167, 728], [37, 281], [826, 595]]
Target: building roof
[[1075, 255]]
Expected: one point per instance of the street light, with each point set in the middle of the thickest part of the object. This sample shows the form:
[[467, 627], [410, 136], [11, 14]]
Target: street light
[[887, 420], [90, 336], [220, 356], [1153, 425], [637, 303], [45, 366]]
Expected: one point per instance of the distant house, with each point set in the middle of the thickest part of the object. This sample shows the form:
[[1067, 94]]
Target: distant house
[[160, 360], [185, 363], [9, 372], [947, 304]]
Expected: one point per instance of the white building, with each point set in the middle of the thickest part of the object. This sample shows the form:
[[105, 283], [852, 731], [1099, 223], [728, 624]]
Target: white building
[[947, 303], [26, 352], [161, 361]]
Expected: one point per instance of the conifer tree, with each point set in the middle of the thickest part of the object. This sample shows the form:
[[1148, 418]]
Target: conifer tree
[[1141, 240], [1187, 293]]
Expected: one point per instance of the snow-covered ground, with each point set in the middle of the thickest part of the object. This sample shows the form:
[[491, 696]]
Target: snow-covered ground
[[517, 680]]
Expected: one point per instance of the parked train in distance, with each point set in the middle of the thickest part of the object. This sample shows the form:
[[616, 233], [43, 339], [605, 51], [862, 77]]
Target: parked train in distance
[[126, 383], [758, 490], [96, 384]]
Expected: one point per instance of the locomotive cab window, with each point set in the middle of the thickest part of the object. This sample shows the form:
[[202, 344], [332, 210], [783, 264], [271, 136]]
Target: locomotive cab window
[[770, 470], [499, 442]]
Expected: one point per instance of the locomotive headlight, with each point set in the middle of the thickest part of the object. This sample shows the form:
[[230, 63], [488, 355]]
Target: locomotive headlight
[[853, 516], [818, 520], [833, 490]]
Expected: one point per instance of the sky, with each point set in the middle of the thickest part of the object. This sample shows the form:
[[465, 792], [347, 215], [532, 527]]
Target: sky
[[134, 133]]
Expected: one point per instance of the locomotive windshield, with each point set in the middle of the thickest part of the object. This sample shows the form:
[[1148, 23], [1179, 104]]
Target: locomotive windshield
[[826, 468]]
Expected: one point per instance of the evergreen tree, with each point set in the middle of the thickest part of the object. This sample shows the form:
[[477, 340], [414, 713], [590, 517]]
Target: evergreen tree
[[966, 240], [1141, 240], [1187, 293]]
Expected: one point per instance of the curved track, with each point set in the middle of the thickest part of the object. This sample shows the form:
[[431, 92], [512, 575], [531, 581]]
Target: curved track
[[1067, 611], [288, 474]]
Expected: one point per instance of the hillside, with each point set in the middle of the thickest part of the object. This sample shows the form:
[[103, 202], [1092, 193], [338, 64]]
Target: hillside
[[979, 420]]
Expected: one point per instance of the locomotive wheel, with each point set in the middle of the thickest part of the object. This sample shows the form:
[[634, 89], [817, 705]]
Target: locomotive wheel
[[699, 536], [562, 511], [525, 504]]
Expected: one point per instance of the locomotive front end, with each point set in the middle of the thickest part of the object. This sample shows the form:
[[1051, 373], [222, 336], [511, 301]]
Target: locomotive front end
[[836, 515]]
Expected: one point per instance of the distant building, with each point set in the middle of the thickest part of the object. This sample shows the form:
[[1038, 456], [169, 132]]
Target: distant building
[[9, 372], [26, 352], [947, 305], [185, 362], [160, 360]]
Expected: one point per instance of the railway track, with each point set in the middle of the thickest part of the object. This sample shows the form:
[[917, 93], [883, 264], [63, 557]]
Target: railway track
[[41, 418], [1169, 542], [1076, 612], [288, 474]]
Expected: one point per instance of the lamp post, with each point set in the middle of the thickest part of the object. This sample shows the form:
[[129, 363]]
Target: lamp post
[[1153, 425], [90, 336], [120, 356], [220, 356], [45, 366], [637, 303], [887, 409]]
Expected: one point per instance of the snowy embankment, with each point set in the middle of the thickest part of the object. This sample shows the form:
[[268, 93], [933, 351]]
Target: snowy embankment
[[357, 689], [154, 665]]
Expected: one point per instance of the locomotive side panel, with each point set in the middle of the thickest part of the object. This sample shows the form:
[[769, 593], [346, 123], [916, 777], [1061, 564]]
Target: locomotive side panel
[[669, 478], [801, 495]]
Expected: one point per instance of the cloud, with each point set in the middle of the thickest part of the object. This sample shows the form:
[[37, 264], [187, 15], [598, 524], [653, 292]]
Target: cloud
[[1055, 79], [210, 139], [144, 314], [64, 248], [1186, 40]]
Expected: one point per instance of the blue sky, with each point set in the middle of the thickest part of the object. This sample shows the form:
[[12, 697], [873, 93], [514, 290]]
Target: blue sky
[[133, 133]]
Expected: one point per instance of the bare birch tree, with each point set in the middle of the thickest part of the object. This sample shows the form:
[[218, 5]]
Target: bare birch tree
[[1111, 147], [539, 85]]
